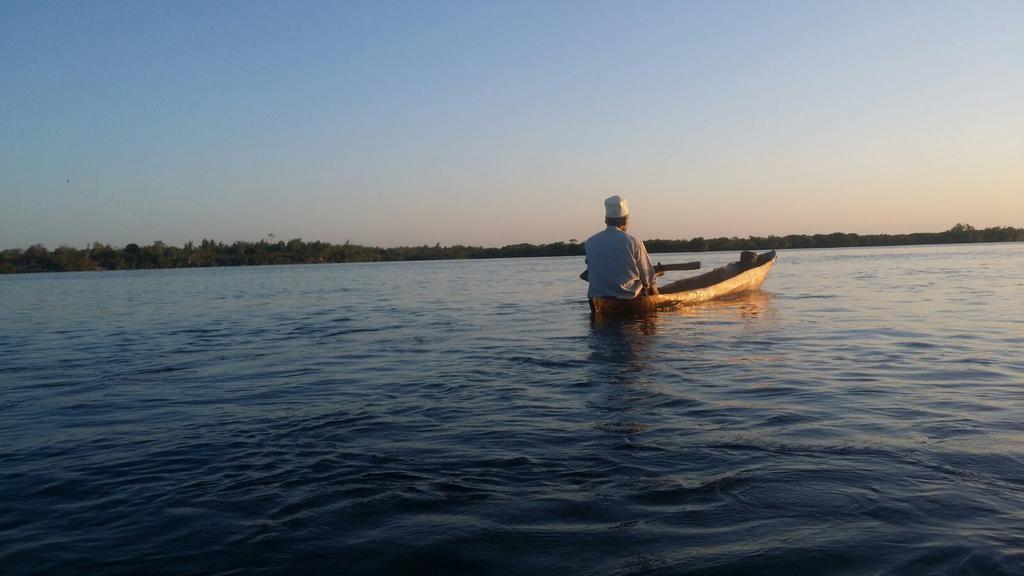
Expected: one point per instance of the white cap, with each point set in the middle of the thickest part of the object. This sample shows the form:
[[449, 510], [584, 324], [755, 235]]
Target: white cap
[[616, 207]]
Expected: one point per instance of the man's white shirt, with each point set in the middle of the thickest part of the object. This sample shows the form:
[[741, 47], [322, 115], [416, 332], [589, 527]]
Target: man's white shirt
[[617, 265]]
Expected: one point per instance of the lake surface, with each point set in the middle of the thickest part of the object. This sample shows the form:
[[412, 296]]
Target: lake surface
[[862, 414]]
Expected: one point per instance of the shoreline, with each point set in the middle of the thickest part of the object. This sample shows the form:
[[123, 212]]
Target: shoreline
[[103, 258]]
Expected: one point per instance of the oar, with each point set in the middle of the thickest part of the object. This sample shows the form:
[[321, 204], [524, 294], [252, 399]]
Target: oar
[[660, 268]]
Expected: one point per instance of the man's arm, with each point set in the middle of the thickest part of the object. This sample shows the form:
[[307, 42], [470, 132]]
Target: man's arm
[[648, 275]]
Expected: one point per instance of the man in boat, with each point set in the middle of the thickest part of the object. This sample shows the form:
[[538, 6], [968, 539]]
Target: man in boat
[[617, 263]]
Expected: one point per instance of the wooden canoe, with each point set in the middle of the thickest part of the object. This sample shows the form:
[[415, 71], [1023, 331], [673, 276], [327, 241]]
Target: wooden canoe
[[733, 278]]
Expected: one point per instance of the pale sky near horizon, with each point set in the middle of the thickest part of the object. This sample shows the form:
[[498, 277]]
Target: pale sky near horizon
[[491, 123]]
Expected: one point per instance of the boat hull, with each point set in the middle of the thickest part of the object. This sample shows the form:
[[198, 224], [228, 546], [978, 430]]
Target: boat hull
[[728, 280]]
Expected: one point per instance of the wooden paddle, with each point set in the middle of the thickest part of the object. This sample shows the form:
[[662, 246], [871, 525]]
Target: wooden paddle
[[660, 268]]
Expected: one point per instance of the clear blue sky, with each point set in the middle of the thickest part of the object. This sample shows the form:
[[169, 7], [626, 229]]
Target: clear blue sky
[[488, 123]]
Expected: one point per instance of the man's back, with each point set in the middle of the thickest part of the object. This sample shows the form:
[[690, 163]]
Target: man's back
[[617, 265]]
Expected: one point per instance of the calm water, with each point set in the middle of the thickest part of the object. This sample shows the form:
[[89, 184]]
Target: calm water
[[863, 414]]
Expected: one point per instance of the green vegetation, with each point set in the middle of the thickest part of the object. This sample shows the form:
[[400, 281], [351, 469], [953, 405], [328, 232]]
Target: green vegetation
[[961, 233], [210, 253]]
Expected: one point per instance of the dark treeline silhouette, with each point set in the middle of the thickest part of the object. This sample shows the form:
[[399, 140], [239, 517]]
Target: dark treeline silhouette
[[100, 256]]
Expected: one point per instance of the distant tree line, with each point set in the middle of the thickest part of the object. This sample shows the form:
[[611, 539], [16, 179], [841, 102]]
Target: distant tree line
[[208, 253], [961, 233]]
